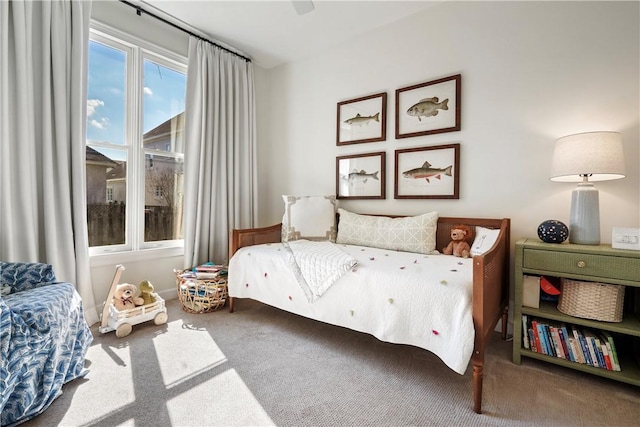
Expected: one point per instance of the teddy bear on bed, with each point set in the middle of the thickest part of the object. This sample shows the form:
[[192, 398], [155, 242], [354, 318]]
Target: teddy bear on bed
[[125, 297], [459, 246]]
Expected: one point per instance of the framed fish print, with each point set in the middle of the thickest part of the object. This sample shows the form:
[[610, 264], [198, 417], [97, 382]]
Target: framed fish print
[[428, 172], [362, 120], [428, 108], [361, 176]]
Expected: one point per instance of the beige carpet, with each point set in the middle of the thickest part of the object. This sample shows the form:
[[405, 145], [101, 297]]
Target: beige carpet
[[262, 366]]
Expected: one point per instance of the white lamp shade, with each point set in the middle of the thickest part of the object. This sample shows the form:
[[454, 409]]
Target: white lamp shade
[[599, 155]]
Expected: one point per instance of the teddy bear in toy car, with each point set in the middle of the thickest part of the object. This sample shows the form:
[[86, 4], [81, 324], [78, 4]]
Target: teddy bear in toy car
[[147, 292], [459, 246], [125, 297]]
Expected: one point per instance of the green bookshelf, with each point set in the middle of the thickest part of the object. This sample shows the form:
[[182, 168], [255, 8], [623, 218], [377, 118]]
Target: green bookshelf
[[599, 263]]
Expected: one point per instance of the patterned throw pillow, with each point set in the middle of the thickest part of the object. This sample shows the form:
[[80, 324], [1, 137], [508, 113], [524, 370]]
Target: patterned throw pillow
[[309, 217], [484, 240], [22, 276], [409, 234]]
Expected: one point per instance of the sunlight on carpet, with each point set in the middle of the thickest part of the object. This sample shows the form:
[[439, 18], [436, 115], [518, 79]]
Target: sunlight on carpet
[[117, 360], [179, 362], [215, 402]]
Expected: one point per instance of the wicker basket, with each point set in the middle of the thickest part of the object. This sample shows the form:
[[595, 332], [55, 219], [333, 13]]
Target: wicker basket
[[592, 300], [201, 295]]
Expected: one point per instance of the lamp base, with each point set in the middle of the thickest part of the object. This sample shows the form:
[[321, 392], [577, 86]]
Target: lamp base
[[584, 225]]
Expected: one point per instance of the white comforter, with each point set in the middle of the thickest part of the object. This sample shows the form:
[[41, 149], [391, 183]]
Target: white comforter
[[398, 297]]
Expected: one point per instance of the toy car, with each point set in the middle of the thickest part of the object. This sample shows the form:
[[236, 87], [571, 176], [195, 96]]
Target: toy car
[[122, 321]]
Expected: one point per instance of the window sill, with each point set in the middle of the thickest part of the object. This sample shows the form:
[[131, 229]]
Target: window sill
[[135, 256]]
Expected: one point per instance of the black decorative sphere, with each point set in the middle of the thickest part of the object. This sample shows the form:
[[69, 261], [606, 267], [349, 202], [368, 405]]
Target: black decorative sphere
[[553, 231]]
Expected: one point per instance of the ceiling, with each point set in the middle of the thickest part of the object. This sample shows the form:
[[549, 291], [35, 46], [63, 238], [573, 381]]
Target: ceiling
[[272, 33]]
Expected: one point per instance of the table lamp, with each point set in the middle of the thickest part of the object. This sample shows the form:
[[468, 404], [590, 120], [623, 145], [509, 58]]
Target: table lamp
[[584, 158]]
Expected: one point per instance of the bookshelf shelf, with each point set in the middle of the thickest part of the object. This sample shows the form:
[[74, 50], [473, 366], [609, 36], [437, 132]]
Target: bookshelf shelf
[[630, 324], [630, 372], [598, 263]]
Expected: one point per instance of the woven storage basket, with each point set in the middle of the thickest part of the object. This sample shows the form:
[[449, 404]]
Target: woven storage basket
[[592, 300], [201, 295]]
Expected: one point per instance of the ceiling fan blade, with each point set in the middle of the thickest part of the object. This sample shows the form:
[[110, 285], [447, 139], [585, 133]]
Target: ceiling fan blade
[[303, 6]]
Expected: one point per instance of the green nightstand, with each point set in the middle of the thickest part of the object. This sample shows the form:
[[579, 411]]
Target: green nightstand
[[598, 263]]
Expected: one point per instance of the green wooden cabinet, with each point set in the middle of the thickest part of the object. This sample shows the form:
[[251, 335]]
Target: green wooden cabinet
[[599, 263]]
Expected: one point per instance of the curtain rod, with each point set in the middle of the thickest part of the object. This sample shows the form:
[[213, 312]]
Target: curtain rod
[[140, 11]]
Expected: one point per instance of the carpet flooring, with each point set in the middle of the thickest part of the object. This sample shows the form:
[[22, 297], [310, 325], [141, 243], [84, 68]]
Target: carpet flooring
[[261, 366]]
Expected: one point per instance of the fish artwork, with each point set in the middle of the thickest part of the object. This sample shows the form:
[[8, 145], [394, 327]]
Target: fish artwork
[[427, 172], [427, 107], [361, 176], [359, 120]]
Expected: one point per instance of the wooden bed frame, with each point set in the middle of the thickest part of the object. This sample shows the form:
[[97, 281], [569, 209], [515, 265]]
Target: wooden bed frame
[[490, 281]]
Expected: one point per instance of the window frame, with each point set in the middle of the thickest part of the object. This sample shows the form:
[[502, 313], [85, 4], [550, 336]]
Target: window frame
[[137, 51]]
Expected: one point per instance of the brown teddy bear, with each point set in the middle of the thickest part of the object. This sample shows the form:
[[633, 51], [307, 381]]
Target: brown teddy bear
[[125, 297], [459, 246]]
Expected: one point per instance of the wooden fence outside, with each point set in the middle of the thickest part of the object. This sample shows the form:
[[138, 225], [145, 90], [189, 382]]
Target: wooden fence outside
[[106, 224]]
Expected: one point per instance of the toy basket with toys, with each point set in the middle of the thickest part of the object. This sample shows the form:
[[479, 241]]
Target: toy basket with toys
[[202, 289], [122, 319]]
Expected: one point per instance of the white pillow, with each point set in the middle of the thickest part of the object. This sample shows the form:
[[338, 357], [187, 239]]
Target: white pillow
[[484, 240], [409, 234], [309, 217]]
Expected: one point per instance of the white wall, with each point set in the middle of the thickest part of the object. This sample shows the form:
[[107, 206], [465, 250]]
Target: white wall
[[531, 73]]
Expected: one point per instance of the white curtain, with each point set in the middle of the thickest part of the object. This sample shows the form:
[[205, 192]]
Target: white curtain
[[43, 61], [220, 164]]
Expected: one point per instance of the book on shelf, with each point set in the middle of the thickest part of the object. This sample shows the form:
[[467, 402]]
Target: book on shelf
[[551, 348], [577, 352], [536, 337], [528, 337], [532, 341], [573, 344], [607, 358], [525, 332], [601, 350], [564, 341], [594, 348], [557, 344], [538, 330], [611, 347], [570, 342], [582, 345]]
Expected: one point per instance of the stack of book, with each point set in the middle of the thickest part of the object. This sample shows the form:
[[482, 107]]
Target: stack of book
[[581, 345], [205, 271]]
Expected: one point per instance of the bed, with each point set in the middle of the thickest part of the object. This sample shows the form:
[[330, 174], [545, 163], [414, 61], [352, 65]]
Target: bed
[[260, 268]]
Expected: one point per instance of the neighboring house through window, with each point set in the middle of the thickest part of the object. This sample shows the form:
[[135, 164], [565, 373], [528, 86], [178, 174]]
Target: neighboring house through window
[[135, 150]]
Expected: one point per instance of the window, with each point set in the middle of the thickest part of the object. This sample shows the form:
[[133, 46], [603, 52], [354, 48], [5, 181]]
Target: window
[[135, 150]]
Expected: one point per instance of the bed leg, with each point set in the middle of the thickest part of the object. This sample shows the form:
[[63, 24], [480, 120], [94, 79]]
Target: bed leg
[[505, 319], [477, 387], [230, 304]]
